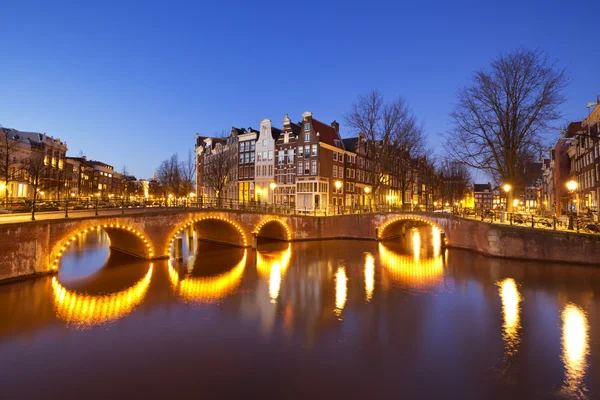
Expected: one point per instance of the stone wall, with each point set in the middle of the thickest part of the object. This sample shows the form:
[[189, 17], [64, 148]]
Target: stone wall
[[33, 247]]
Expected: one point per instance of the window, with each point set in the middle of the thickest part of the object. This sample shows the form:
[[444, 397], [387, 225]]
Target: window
[[341, 172], [270, 155], [314, 168], [300, 151], [306, 151], [265, 142], [265, 156], [258, 156], [334, 156], [286, 138], [246, 157], [314, 150], [335, 170], [307, 127], [241, 158], [300, 168], [252, 145], [307, 168], [280, 156], [251, 157], [291, 156], [307, 137]]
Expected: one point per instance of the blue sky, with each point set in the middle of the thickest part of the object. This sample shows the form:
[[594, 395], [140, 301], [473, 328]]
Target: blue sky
[[130, 83]]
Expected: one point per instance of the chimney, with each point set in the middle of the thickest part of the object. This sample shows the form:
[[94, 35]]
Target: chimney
[[336, 126]]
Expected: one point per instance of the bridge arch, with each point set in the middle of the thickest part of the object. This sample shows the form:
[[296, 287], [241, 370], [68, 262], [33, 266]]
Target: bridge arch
[[385, 228], [273, 228], [117, 234], [243, 242]]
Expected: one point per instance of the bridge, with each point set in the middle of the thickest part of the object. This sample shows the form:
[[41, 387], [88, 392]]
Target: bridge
[[36, 247]]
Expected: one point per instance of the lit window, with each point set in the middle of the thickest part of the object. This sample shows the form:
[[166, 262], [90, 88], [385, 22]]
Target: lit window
[[307, 137], [299, 168], [314, 150], [314, 167], [300, 151], [307, 127]]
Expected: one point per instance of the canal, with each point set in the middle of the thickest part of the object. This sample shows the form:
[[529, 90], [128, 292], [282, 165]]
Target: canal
[[327, 319]]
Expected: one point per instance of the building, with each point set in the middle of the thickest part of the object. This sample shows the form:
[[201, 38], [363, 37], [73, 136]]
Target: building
[[265, 162], [483, 196], [285, 165], [80, 177], [246, 139], [217, 166], [20, 145], [320, 152]]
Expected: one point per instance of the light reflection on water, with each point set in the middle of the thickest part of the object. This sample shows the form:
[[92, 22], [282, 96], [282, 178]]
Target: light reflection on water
[[314, 308], [575, 343], [510, 310]]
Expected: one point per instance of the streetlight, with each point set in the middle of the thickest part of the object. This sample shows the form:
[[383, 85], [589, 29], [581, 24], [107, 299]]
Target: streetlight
[[571, 187], [507, 188], [338, 186], [272, 185], [366, 193], [434, 205]]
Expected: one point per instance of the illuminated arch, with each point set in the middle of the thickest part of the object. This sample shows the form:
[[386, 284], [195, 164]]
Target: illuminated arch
[[85, 310], [417, 273], [190, 222], [266, 221], [208, 289], [413, 218], [62, 245]]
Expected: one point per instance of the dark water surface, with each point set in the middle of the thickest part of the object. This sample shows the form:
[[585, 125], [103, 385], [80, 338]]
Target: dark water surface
[[332, 319]]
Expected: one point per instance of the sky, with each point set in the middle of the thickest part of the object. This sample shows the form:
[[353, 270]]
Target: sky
[[131, 83]]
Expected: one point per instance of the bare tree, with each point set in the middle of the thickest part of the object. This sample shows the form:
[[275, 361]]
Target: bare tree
[[9, 166], [36, 169], [501, 117], [168, 175], [220, 167], [188, 173], [392, 133], [455, 177]]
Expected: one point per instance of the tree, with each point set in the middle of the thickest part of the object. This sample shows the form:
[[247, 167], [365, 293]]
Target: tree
[[455, 177], [188, 173], [220, 166], [500, 118], [168, 175], [9, 165], [392, 134], [36, 169]]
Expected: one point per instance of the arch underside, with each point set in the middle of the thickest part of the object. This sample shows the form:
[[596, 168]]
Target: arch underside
[[219, 231], [273, 230]]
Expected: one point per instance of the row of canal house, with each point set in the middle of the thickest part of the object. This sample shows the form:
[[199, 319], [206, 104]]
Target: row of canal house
[[306, 165]]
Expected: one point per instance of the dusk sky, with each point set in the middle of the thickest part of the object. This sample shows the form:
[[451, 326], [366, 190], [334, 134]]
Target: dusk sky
[[130, 83]]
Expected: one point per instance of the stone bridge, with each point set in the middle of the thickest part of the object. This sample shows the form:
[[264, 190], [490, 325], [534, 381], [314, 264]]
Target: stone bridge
[[36, 246]]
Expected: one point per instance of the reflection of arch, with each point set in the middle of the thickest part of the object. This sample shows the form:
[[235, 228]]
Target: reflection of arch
[[187, 224], [405, 218], [416, 272], [208, 289], [88, 310], [108, 228], [281, 223], [272, 266]]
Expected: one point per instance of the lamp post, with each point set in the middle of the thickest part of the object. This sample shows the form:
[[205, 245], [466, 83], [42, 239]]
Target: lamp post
[[338, 186], [435, 203], [366, 193], [506, 189], [272, 185], [192, 195], [571, 187]]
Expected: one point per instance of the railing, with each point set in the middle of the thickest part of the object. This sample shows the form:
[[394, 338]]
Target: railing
[[582, 224]]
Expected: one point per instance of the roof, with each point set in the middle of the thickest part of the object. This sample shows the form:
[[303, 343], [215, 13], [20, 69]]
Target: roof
[[350, 144], [30, 137], [275, 132], [573, 128], [296, 128], [482, 187], [327, 133]]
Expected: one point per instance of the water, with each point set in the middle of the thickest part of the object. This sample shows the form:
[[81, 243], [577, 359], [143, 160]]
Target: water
[[328, 319]]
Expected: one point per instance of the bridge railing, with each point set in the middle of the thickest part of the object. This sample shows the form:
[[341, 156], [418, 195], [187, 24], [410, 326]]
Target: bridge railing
[[97, 206]]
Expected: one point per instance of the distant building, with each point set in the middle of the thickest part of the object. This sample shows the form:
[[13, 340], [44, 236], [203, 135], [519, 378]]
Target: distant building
[[285, 166], [483, 196]]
